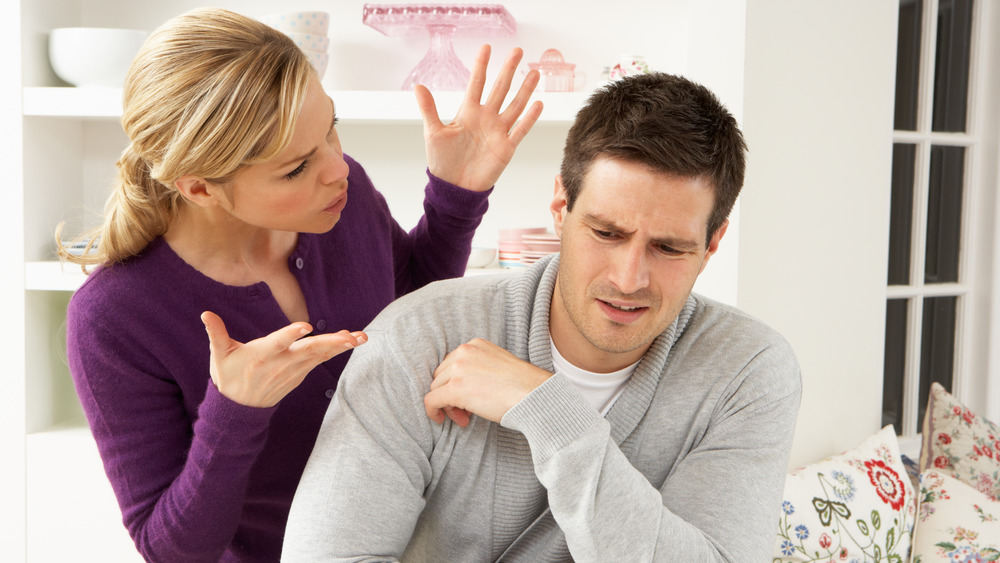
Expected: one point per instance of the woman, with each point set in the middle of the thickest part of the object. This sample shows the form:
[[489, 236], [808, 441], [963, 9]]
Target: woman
[[235, 205]]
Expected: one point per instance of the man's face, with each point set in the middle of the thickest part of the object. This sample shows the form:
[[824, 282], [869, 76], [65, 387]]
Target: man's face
[[631, 250]]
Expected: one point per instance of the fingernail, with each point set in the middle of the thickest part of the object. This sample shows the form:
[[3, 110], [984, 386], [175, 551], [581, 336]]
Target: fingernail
[[348, 345]]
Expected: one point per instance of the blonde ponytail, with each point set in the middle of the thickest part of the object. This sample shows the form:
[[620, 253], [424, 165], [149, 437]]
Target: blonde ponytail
[[210, 92]]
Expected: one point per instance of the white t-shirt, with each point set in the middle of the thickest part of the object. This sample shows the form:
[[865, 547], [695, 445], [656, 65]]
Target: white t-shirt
[[600, 389]]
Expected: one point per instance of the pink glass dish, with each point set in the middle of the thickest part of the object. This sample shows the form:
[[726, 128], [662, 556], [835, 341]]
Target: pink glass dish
[[440, 69]]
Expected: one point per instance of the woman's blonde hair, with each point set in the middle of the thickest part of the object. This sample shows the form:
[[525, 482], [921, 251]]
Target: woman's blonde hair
[[209, 93]]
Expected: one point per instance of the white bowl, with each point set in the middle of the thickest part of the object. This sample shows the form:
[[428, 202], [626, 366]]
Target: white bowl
[[310, 41], [481, 257], [318, 59], [94, 56], [315, 23]]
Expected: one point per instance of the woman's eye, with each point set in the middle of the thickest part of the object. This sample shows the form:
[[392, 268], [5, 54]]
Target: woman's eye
[[298, 170]]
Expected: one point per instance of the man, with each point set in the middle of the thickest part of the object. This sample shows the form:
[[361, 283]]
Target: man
[[588, 409]]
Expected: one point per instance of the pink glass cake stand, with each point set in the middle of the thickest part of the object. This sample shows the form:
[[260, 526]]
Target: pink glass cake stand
[[440, 68]]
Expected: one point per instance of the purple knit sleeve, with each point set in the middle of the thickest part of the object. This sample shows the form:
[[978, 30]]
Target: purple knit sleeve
[[438, 246], [181, 491]]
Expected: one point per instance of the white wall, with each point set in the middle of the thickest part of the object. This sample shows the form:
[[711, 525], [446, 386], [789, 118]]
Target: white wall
[[12, 470], [814, 222]]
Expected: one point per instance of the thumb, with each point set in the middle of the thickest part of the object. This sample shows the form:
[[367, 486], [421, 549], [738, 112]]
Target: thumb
[[218, 336], [428, 108]]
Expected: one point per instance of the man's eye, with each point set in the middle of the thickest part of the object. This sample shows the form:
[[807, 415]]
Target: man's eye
[[604, 234], [668, 250]]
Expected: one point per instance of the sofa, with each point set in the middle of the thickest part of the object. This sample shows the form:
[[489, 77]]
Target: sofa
[[871, 503]]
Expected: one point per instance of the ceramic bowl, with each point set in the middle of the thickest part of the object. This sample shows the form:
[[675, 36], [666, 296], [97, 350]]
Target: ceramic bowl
[[310, 41], [481, 257], [94, 56], [318, 59], [314, 23]]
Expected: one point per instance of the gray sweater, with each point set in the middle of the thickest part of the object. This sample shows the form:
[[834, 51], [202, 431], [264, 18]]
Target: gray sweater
[[688, 465]]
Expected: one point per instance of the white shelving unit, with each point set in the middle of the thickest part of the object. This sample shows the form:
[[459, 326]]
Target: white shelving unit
[[370, 108]]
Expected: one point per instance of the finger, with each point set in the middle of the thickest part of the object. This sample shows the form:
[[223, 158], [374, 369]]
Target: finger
[[520, 129], [477, 79], [502, 84], [433, 412], [458, 416], [428, 108], [520, 100], [322, 347], [281, 339], [218, 337]]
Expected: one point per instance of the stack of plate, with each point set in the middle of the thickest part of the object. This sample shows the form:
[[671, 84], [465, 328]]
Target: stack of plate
[[523, 247], [309, 31], [538, 245]]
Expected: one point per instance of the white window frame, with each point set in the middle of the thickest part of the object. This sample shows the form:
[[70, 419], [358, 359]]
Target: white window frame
[[976, 370]]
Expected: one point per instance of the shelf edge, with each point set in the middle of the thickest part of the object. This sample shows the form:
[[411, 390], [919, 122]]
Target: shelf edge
[[353, 106]]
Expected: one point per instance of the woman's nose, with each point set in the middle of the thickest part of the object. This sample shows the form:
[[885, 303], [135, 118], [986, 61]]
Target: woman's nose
[[335, 168]]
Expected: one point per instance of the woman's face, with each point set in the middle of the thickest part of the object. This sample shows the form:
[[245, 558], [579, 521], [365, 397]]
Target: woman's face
[[304, 188]]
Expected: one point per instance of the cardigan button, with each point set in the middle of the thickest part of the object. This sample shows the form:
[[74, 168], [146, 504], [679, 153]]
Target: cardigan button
[[329, 393], [321, 325], [300, 263]]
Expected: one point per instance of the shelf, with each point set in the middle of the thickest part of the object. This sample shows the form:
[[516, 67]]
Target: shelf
[[52, 276], [56, 276], [353, 106], [71, 499]]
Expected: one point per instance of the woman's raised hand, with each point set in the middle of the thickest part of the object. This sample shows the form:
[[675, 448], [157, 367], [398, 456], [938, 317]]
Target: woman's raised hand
[[473, 150], [261, 372]]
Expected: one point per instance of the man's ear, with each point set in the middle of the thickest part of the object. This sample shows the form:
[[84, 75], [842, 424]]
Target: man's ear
[[198, 191], [713, 244], [558, 205]]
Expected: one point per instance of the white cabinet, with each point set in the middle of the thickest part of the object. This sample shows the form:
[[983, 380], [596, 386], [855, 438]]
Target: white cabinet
[[64, 164]]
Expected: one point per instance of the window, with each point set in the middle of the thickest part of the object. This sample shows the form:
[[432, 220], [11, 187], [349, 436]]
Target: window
[[934, 149]]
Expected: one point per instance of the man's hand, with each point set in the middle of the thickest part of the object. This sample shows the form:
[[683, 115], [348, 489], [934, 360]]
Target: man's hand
[[261, 372], [480, 378], [473, 150]]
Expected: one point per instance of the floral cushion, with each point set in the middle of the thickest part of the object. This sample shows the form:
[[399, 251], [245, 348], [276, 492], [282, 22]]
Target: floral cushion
[[955, 523], [960, 443], [858, 505]]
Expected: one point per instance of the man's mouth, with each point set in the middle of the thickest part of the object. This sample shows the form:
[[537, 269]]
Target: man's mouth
[[622, 307]]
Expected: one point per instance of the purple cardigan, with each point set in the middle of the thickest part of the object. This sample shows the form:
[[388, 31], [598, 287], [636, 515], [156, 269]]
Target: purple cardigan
[[199, 477]]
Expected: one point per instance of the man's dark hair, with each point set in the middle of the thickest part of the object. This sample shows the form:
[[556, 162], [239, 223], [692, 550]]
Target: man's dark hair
[[666, 122]]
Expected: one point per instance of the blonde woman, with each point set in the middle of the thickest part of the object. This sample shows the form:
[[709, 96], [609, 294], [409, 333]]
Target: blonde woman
[[239, 249]]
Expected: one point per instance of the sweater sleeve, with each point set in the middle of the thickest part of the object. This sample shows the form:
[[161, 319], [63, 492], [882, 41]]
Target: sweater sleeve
[[438, 246], [180, 483], [362, 490], [717, 504]]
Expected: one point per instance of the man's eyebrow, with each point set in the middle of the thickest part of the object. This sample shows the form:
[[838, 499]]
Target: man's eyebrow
[[677, 243]]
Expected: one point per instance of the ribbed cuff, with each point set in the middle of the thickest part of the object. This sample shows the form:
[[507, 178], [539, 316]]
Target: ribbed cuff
[[551, 416], [455, 200]]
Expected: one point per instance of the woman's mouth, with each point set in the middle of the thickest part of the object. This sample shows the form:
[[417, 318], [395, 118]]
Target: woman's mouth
[[337, 205]]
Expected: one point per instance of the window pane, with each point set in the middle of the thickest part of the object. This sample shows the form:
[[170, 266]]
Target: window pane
[[937, 347], [895, 363], [908, 64], [901, 213], [944, 214], [951, 68]]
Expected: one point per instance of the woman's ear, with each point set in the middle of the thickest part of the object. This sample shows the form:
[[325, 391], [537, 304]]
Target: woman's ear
[[558, 205], [197, 190]]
